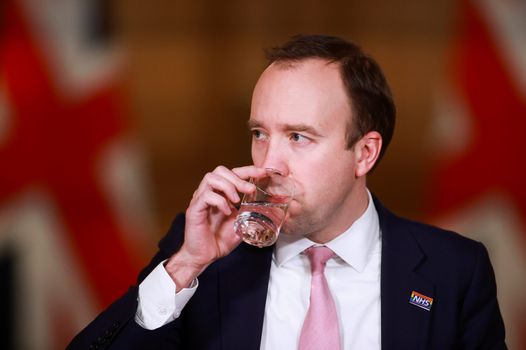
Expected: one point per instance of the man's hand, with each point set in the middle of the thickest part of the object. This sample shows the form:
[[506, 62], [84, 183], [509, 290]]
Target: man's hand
[[209, 230]]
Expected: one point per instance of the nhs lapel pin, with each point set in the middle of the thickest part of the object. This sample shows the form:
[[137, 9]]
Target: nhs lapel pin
[[421, 301]]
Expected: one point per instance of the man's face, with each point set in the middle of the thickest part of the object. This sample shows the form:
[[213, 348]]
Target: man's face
[[298, 120]]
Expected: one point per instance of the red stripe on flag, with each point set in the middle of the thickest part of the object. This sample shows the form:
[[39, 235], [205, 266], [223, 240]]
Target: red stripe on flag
[[494, 161]]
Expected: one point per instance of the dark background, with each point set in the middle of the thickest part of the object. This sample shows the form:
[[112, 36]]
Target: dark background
[[193, 66]]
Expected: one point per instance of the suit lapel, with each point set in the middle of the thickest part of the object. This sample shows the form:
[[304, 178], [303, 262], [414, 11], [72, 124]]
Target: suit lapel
[[405, 318], [243, 283]]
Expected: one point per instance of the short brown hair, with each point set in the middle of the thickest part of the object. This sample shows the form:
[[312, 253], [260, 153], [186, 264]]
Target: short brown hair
[[367, 88]]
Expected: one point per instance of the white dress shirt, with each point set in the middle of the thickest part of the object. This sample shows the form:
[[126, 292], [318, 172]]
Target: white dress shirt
[[353, 277]]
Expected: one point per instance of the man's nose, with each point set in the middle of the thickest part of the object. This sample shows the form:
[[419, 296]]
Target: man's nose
[[276, 158]]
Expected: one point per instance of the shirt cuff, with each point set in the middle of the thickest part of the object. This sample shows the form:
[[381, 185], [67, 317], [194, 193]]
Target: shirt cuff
[[159, 304]]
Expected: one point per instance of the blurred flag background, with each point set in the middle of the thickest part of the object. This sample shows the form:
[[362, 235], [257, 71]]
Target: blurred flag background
[[112, 111], [73, 220], [477, 183]]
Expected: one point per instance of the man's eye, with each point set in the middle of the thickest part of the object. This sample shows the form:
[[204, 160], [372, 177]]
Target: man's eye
[[257, 134], [298, 137]]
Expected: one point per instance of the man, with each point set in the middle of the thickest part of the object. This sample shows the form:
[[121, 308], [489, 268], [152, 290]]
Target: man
[[321, 112]]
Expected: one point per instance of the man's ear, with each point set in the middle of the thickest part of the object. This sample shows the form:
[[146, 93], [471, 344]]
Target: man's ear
[[367, 150]]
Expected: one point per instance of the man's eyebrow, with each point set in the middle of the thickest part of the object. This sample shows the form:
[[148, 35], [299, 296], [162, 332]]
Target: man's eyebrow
[[301, 127], [251, 123]]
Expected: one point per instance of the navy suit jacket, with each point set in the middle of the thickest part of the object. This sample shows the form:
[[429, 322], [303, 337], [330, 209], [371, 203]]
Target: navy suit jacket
[[227, 310]]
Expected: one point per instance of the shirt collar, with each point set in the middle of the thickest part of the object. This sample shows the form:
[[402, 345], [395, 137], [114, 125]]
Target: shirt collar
[[354, 246]]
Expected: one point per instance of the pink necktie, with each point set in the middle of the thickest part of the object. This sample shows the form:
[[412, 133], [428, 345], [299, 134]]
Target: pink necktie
[[320, 328]]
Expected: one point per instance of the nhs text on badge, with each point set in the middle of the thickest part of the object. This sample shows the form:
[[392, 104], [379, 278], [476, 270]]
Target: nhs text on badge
[[421, 300]]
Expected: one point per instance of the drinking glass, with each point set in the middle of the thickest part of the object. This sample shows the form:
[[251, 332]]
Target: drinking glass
[[262, 212]]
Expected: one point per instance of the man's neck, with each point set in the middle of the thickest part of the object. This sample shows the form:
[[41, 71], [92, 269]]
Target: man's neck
[[343, 219]]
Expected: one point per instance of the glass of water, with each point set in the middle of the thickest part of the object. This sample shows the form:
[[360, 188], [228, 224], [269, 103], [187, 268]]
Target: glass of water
[[262, 212]]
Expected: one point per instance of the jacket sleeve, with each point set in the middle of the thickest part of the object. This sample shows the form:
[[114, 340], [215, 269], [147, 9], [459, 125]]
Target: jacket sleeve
[[115, 327], [482, 325]]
